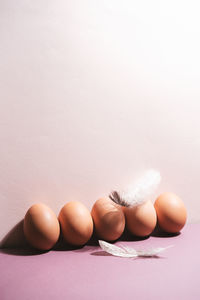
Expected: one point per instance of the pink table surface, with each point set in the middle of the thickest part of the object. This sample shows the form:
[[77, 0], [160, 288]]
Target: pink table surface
[[89, 273]]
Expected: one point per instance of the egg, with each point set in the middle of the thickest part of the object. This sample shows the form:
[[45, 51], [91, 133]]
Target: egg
[[41, 227], [171, 212], [141, 220], [108, 219], [76, 223]]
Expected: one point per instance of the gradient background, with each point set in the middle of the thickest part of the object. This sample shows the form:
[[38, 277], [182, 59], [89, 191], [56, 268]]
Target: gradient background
[[92, 93]]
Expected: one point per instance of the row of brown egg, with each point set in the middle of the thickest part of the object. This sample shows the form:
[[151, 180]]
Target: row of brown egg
[[108, 219]]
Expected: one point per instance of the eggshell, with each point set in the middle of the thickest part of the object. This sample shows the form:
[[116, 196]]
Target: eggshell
[[76, 223], [141, 220], [108, 219], [171, 212], [41, 227]]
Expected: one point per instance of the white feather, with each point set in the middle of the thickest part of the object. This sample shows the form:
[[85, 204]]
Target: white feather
[[138, 192], [115, 250], [129, 252]]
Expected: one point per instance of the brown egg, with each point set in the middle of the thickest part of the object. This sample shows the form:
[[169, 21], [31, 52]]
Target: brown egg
[[76, 223], [171, 212], [108, 219], [41, 227], [141, 220]]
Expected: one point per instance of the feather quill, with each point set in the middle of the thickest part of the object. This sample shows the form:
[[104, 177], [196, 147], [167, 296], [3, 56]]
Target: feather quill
[[130, 252], [138, 192]]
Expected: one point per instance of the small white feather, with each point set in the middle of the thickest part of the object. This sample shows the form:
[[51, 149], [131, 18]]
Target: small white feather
[[115, 250], [129, 252], [138, 192]]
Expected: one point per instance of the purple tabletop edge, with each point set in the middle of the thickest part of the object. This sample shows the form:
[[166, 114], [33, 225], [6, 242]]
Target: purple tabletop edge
[[90, 273]]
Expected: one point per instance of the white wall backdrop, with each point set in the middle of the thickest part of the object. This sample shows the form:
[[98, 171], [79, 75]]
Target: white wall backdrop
[[91, 94]]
